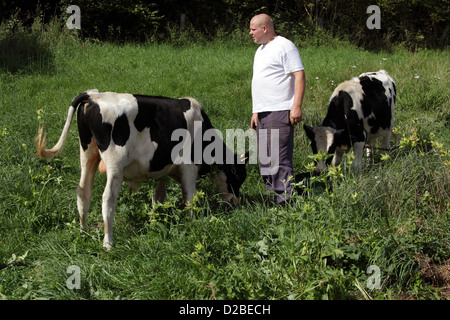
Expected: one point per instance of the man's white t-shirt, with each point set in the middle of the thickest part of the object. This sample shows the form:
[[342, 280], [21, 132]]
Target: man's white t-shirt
[[273, 82]]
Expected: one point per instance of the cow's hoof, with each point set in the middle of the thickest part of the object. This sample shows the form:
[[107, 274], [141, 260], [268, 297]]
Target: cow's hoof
[[108, 245]]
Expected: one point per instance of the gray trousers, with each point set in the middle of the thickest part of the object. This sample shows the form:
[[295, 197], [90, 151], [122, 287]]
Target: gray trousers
[[275, 137]]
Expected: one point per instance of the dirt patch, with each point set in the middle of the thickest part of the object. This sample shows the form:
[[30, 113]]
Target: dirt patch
[[437, 275]]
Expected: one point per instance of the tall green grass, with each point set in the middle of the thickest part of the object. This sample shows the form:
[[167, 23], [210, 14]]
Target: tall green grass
[[393, 214]]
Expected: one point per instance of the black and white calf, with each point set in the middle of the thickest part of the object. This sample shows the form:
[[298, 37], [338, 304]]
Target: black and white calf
[[360, 110], [132, 136]]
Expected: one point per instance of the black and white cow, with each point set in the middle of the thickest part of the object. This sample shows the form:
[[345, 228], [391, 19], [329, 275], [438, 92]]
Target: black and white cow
[[360, 110], [131, 135]]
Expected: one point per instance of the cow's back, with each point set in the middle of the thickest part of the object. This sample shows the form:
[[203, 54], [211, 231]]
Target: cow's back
[[367, 100], [378, 104], [141, 124], [162, 116]]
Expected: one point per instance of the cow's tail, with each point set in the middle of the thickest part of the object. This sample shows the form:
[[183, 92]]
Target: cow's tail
[[41, 140]]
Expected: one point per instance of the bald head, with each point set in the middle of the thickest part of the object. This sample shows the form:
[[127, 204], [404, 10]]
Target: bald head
[[263, 20], [262, 28]]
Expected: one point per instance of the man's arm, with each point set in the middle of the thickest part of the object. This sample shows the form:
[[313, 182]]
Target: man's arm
[[299, 91]]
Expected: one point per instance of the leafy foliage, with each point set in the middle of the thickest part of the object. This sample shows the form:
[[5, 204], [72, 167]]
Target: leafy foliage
[[411, 23], [393, 214]]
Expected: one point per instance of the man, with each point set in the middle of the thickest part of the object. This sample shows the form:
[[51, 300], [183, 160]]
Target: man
[[278, 87]]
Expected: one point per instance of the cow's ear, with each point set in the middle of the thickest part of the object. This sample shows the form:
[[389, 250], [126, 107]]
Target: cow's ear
[[309, 131], [340, 137]]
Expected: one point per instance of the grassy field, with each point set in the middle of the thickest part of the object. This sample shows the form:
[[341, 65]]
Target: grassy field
[[393, 215]]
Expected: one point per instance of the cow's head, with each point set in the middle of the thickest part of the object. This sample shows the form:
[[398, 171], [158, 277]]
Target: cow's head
[[326, 139], [231, 177]]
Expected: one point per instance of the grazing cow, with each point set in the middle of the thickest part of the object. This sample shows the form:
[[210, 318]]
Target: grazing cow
[[360, 110], [132, 135]]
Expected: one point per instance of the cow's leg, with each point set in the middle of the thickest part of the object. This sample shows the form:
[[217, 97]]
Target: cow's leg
[[371, 143], [110, 195], [337, 158], [159, 194], [188, 181], [89, 160], [358, 149], [386, 142]]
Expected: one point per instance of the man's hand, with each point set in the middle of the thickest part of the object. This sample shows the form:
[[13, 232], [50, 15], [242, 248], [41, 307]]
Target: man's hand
[[295, 115], [254, 121]]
